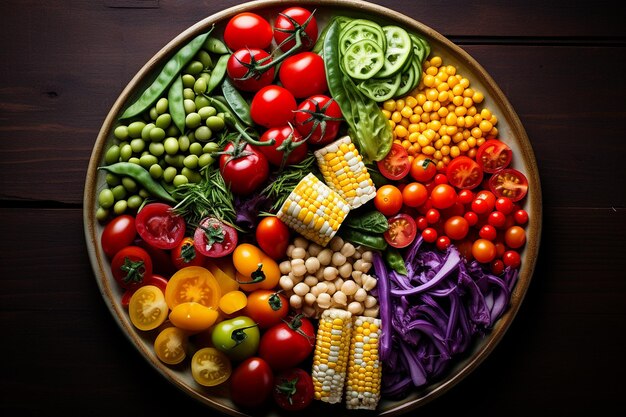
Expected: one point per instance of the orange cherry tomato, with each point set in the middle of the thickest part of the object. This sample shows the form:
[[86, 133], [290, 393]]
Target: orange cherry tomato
[[456, 227], [515, 237], [266, 308], [443, 196], [193, 283], [193, 316], [414, 194], [256, 269], [388, 200], [147, 308], [483, 250]]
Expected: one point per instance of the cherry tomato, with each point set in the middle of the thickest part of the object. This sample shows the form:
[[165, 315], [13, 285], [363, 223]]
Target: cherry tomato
[[443, 196], [237, 69], [185, 254], [497, 266], [483, 250], [466, 196], [284, 27], [303, 74], [497, 219], [193, 283], [246, 172], [256, 269], [443, 242], [515, 237], [396, 164], [504, 205], [285, 138], [433, 216], [521, 216], [493, 155], [214, 239], [118, 233], [464, 173], [248, 30], [423, 169], [388, 200], [500, 249], [272, 235], [170, 345], [414, 194], [238, 337], [147, 308], [456, 227], [509, 183], [287, 344], [484, 202], [401, 232], [210, 367], [488, 232], [318, 119], [155, 280], [251, 383], [441, 179], [421, 222], [512, 259], [131, 266], [266, 307], [293, 389], [161, 258], [429, 235], [273, 106], [465, 248], [157, 224]]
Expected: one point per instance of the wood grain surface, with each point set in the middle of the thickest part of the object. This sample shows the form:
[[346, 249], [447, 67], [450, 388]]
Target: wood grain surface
[[63, 63]]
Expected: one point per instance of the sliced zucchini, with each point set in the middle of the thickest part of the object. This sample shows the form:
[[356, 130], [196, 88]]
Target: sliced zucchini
[[421, 47], [408, 76]]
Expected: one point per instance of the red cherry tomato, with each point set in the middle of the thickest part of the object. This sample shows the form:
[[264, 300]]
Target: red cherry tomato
[[117, 234], [515, 237], [429, 235], [466, 196], [237, 69], [186, 254], [423, 169], [484, 202], [283, 28], [251, 383], [396, 164], [443, 196], [273, 235], [421, 222], [273, 106], [509, 183], [318, 119], [388, 200], [456, 227], [471, 217], [464, 173], [303, 74], [248, 30], [512, 259], [401, 232], [497, 219], [483, 250], [157, 224], [493, 155], [293, 389], [281, 134], [287, 344], [244, 173], [504, 205], [414, 194], [497, 266], [215, 239], [441, 179], [443, 243], [131, 266], [521, 217], [488, 232]]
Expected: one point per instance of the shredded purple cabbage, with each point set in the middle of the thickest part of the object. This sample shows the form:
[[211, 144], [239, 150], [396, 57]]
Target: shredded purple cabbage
[[433, 314]]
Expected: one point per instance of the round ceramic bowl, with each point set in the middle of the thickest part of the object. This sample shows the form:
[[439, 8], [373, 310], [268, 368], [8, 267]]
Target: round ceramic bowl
[[509, 127]]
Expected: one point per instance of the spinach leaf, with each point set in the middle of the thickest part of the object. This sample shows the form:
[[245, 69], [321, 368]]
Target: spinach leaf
[[372, 222]]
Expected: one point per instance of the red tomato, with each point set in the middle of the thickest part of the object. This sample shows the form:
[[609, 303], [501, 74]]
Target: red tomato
[[401, 232], [421, 223], [318, 119], [456, 227], [497, 219], [157, 224], [388, 200], [511, 258], [273, 106], [286, 139], [248, 30], [466, 196], [251, 383], [429, 235], [483, 250], [286, 345], [156, 280], [273, 235], [521, 216], [131, 266], [414, 194], [423, 169], [484, 202], [515, 237], [443, 243], [161, 258], [509, 183], [266, 307], [284, 27], [186, 254], [497, 267], [493, 155], [464, 173], [303, 74], [443, 196], [396, 164], [246, 172], [488, 232], [433, 216], [242, 78], [504, 205], [471, 217], [214, 239], [293, 389], [118, 233]]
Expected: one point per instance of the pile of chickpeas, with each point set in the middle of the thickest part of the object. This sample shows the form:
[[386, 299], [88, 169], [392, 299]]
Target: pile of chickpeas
[[440, 118], [317, 278]]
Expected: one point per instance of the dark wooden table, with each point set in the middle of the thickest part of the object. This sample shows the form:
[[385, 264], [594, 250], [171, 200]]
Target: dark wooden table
[[562, 64]]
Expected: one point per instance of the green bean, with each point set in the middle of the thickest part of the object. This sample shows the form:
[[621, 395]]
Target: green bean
[[155, 171], [203, 133], [162, 105], [134, 160], [153, 113], [106, 199], [201, 102], [207, 111], [112, 155], [176, 103], [102, 214], [135, 129], [205, 159], [188, 80], [126, 152], [210, 147], [236, 102], [119, 192], [235, 122], [215, 123], [157, 134], [137, 145], [219, 71], [175, 160], [194, 67], [193, 120], [183, 143], [189, 94], [143, 193], [195, 148], [145, 132], [156, 148], [142, 177], [191, 175], [180, 180], [172, 131], [205, 58], [215, 45], [148, 160], [191, 161], [200, 86], [163, 121], [171, 69], [121, 132]]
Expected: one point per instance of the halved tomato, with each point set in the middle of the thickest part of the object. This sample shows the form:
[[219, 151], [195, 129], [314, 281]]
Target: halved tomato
[[193, 316], [170, 345], [464, 173], [214, 238], [210, 367], [193, 283], [402, 231], [494, 155], [158, 225], [396, 164], [509, 183], [147, 308]]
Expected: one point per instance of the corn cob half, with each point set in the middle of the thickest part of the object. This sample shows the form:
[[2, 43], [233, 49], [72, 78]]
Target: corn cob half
[[364, 374]]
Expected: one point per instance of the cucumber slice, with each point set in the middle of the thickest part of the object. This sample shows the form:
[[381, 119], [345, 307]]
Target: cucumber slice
[[379, 89], [358, 30], [399, 49]]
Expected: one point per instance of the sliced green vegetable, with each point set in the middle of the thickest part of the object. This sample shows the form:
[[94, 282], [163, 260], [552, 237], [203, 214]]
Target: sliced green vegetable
[[363, 59], [398, 51], [358, 30], [381, 89], [372, 221], [371, 241]]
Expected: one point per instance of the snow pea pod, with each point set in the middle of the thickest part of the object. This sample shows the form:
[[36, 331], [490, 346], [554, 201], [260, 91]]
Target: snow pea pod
[[236, 102], [220, 104], [142, 177], [216, 46], [218, 73], [171, 69], [394, 260], [175, 101], [360, 238]]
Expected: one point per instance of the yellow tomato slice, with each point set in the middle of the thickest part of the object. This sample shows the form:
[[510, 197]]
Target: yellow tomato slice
[[170, 345], [233, 301], [193, 283], [147, 308], [193, 316], [210, 367]]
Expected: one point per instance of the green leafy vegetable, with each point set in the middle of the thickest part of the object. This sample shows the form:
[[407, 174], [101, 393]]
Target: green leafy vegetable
[[372, 221]]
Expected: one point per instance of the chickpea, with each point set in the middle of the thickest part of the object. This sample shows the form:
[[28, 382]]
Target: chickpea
[[310, 280], [312, 265], [349, 287], [323, 300], [367, 256], [321, 287], [314, 249], [319, 274], [309, 299], [309, 311], [286, 283], [331, 288], [372, 311], [338, 259], [285, 267], [301, 289], [298, 268], [325, 256], [298, 253], [330, 273], [345, 270], [348, 249], [290, 249], [336, 244], [355, 308], [340, 298], [370, 301], [369, 282], [338, 283], [295, 301], [360, 295], [356, 276]]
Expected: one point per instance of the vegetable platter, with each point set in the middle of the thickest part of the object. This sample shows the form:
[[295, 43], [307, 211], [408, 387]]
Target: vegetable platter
[[320, 205]]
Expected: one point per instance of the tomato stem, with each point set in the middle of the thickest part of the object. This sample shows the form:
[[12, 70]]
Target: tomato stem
[[288, 388], [239, 335], [257, 276], [134, 271]]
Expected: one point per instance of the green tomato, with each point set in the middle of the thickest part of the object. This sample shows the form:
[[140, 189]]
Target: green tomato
[[238, 338]]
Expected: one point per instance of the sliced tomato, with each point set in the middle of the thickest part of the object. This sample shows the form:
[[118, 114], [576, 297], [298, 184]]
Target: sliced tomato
[[494, 155], [210, 367], [402, 231], [396, 164], [509, 183], [464, 173], [158, 225], [170, 345], [147, 308], [186, 254], [156, 280], [193, 283], [214, 238]]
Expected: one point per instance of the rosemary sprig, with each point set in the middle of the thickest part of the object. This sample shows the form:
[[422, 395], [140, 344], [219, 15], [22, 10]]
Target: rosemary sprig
[[286, 180]]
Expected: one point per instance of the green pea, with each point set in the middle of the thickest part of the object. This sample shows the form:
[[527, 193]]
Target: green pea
[[157, 134], [191, 175], [134, 202], [206, 76], [171, 146], [169, 173], [195, 148], [126, 152], [119, 192], [215, 123], [120, 207], [134, 160], [130, 184], [135, 129], [172, 131], [210, 147], [145, 132], [189, 105], [156, 171], [180, 180], [162, 105], [163, 121], [192, 137], [200, 86], [205, 58], [153, 113], [183, 143], [203, 133], [188, 93], [147, 161], [188, 80], [137, 145], [206, 112], [112, 155], [201, 101], [205, 159], [102, 214], [175, 160], [156, 148], [106, 198], [112, 180], [193, 120], [194, 68], [191, 161], [121, 132]]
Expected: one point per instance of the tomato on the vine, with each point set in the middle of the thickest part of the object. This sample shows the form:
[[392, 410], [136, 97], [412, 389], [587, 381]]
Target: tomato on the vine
[[251, 383], [493, 155], [118, 233], [248, 30], [273, 106], [402, 231], [238, 65], [186, 254], [287, 344], [131, 266], [395, 165], [303, 74], [284, 27], [272, 235], [244, 173], [157, 224], [293, 389], [318, 119], [464, 173], [286, 140], [214, 239], [266, 307]]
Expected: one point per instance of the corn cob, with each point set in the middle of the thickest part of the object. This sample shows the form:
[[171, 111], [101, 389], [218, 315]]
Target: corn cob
[[364, 374], [330, 358], [344, 171], [314, 210]]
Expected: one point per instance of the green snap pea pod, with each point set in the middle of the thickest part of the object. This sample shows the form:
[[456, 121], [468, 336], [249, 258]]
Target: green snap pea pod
[[394, 260], [233, 121], [216, 46], [218, 73], [236, 102], [171, 69], [142, 177], [360, 238], [176, 103]]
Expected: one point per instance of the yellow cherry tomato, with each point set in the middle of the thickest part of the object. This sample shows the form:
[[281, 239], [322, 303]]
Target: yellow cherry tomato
[[256, 270], [193, 283], [210, 367], [193, 316], [170, 345], [147, 308], [233, 301]]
